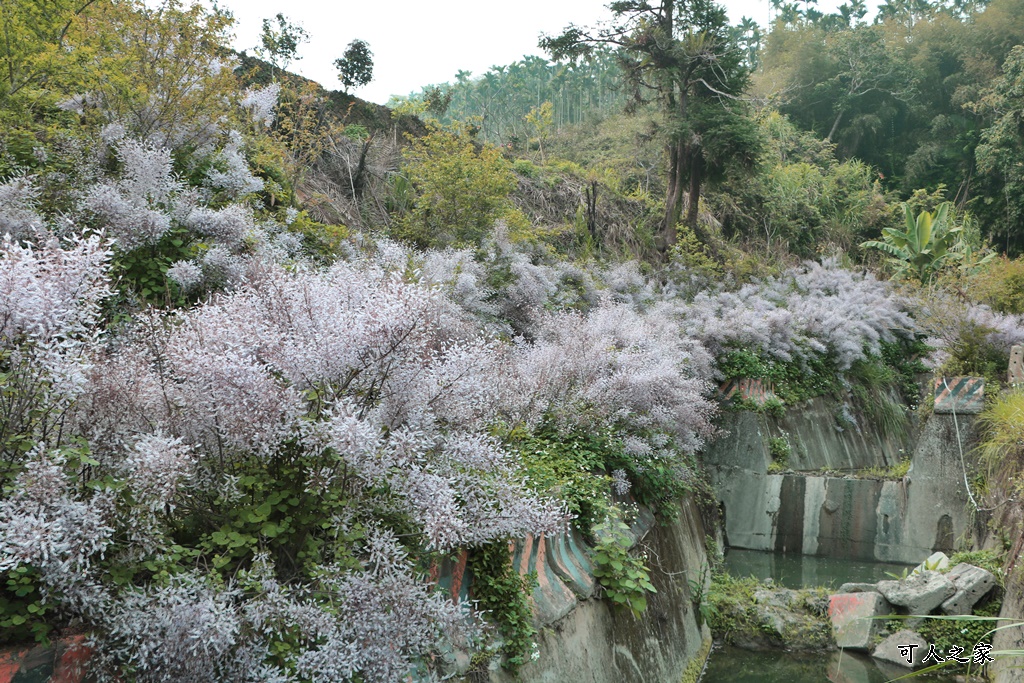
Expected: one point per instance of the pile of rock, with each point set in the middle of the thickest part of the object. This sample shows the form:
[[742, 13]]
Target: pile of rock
[[929, 589]]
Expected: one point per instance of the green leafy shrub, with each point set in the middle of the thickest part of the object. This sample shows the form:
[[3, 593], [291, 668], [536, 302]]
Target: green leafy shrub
[[731, 605], [624, 577], [986, 559], [571, 466], [526, 168], [1001, 285], [964, 632], [502, 592], [24, 613], [460, 190], [793, 382], [780, 450]]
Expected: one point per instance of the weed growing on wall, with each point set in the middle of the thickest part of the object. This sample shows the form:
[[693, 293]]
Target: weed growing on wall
[[503, 594], [624, 576]]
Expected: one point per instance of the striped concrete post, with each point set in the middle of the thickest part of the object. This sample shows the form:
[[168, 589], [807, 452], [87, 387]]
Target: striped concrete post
[[960, 395]]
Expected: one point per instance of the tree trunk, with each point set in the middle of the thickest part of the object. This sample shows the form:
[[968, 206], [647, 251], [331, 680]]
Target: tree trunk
[[674, 196], [591, 196], [692, 211], [835, 126]]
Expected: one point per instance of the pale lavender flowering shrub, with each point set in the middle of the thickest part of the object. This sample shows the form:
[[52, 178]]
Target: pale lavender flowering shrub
[[617, 366], [44, 525], [385, 618], [136, 208], [18, 200], [390, 358], [948, 320], [261, 103], [230, 173], [228, 225], [818, 309], [50, 292], [188, 275]]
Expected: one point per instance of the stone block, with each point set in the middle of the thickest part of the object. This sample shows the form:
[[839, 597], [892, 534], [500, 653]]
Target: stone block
[[904, 648], [845, 668], [919, 593], [962, 395], [1016, 370], [858, 588], [936, 562], [552, 599], [972, 583], [854, 619]]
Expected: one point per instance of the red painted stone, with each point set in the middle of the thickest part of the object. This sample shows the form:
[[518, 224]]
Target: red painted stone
[[73, 662]]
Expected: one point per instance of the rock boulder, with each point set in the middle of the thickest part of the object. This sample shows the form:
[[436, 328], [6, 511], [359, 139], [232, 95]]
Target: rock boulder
[[971, 583], [904, 648], [919, 593], [853, 618]]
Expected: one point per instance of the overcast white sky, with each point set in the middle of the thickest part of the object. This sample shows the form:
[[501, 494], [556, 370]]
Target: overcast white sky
[[419, 42]]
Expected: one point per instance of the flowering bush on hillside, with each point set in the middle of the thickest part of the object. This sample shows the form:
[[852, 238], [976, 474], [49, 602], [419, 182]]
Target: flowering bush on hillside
[[815, 310]]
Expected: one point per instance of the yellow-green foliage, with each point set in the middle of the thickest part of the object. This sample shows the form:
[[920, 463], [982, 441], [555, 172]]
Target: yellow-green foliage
[[30, 51], [322, 241], [692, 253], [1002, 445], [154, 68], [801, 194], [1001, 285], [461, 190], [893, 472]]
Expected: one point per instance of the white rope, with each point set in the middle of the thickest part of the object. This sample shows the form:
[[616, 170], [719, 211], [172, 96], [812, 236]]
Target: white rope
[[960, 445]]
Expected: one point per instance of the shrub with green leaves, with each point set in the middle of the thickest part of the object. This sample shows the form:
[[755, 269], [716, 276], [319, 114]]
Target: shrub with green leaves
[[460, 190], [503, 594], [624, 576]]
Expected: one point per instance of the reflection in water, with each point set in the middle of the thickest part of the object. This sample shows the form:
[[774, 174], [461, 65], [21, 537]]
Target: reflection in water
[[732, 665], [800, 571]]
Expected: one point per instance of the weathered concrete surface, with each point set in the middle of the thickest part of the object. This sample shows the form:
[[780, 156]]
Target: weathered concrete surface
[[972, 583], [841, 516], [919, 593], [904, 648], [819, 442], [1010, 669], [853, 619], [595, 643]]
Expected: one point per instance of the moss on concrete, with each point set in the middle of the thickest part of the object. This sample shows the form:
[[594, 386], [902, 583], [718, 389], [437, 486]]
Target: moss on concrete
[[696, 666]]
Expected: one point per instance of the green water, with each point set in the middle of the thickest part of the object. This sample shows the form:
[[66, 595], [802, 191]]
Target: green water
[[733, 665], [792, 570]]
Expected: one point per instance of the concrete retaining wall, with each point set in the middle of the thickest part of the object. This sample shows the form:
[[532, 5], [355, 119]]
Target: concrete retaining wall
[[595, 643], [829, 513]]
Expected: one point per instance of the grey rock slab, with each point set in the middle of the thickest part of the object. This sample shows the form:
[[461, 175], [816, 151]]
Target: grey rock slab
[[904, 648], [972, 583], [919, 593], [937, 561], [858, 588], [853, 618]]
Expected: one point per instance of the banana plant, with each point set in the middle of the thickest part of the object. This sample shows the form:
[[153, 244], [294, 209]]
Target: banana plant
[[924, 246]]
